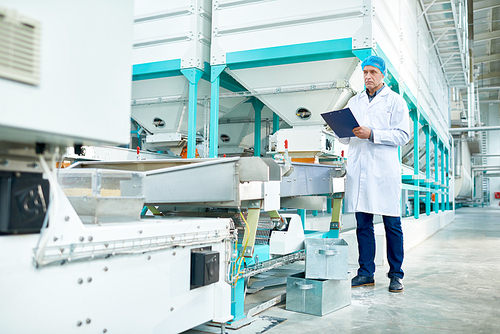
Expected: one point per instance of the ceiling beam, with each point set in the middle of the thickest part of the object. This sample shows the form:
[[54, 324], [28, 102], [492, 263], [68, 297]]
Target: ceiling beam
[[489, 88], [489, 75], [486, 36], [487, 59], [439, 12], [486, 4]]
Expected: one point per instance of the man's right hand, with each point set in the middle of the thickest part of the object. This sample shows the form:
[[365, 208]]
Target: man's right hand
[[362, 132]]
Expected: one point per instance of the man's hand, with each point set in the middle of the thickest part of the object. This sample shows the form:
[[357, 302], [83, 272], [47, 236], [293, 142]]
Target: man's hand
[[362, 132]]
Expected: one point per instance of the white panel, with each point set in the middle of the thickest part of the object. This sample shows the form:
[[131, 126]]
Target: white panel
[[175, 114], [300, 75], [148, 292], [264, 24], [168, 30], [84, 90]]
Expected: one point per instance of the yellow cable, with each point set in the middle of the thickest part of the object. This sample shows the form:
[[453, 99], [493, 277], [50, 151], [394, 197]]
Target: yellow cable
[[244, 248]]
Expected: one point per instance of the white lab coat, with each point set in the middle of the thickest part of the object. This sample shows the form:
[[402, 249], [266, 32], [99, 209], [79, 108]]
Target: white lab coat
[[373, 182]]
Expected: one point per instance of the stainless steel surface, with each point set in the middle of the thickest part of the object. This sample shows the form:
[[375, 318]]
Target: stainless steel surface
[[316, 296], [308, 179], [224, 182], [304, 202], [326, 258], [228, 182]]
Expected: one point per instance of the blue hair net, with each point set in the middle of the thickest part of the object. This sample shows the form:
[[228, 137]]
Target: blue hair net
[[376, 62]]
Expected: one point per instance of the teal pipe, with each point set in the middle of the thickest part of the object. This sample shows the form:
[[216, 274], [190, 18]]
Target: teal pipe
[[442, 179], [427, 168], [436, 174], [416, 170]]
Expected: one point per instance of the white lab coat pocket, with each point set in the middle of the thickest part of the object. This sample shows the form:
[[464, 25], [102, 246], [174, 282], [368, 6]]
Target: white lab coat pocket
[[386, 161], [380, 120]]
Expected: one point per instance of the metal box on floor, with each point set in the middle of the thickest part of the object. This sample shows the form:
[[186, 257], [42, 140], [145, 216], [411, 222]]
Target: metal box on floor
[[316, 296], [326, 258]]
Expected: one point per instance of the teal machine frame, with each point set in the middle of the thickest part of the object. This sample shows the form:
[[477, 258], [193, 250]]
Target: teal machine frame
[[298, 53]]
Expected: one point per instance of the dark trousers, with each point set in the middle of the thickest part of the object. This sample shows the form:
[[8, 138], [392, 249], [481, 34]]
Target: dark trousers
[[366, 244]]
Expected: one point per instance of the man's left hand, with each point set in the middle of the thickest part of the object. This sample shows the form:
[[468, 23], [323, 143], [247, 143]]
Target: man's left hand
[[362, 132]]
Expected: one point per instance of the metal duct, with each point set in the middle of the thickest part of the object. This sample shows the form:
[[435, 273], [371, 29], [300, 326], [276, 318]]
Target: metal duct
[[477, 128]]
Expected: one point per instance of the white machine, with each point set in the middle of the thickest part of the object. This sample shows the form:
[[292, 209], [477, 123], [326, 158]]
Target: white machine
[[74, 254]]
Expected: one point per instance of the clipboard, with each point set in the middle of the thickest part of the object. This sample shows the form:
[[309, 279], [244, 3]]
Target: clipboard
[[341, 121]]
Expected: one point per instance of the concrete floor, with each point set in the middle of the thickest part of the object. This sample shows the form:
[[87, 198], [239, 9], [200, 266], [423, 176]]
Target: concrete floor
[[452, 285]]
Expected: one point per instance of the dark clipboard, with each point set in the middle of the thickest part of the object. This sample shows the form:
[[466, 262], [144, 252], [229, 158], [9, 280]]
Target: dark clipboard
[[341, 121]]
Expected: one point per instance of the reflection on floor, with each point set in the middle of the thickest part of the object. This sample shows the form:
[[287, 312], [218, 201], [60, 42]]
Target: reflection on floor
[[452, 285]]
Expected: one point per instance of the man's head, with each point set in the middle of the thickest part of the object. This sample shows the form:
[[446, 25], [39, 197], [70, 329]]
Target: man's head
[[374, 71]]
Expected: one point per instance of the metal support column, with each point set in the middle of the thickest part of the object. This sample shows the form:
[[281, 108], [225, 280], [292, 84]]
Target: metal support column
[[193, 75], [436, 174], [302, 214], [427, 168], [276, 123], [215, 72], [416, 157], [257, 107]]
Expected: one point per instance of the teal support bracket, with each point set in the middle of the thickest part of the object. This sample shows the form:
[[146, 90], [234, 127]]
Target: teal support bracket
[[302, 214], [443, 197], [257, 106], [333, 234], [362, 54], [213, 147], [193, 75], [276, 123], [416, 157], [436, 174], [427, 168]]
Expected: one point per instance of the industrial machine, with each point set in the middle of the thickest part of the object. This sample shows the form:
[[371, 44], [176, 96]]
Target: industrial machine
[[144, 241]]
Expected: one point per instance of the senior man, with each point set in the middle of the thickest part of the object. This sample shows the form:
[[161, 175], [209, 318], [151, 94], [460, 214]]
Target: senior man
[[373, 185]]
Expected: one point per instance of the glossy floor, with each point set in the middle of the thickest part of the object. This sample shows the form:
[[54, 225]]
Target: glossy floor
[[452, 285]]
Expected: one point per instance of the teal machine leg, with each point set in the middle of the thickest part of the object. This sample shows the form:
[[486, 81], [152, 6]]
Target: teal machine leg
[[257, 107], [427, 169], [193, 75], [215, 72], [238, 300], [416, 169]]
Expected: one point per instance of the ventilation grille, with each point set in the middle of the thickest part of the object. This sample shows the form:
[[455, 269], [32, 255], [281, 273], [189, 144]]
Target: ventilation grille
[[19, 47]]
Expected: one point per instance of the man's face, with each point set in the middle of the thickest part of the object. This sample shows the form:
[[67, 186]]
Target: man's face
[[373, 77]]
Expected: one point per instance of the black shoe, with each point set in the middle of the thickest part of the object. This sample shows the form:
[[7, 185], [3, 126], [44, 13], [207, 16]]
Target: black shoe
[[362, 281], [396, 285]]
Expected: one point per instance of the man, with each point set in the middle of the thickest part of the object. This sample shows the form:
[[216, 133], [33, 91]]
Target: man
[[373, 184]]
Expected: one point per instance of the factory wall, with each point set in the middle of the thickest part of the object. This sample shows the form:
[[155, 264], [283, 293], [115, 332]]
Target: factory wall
[[493, 140]]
